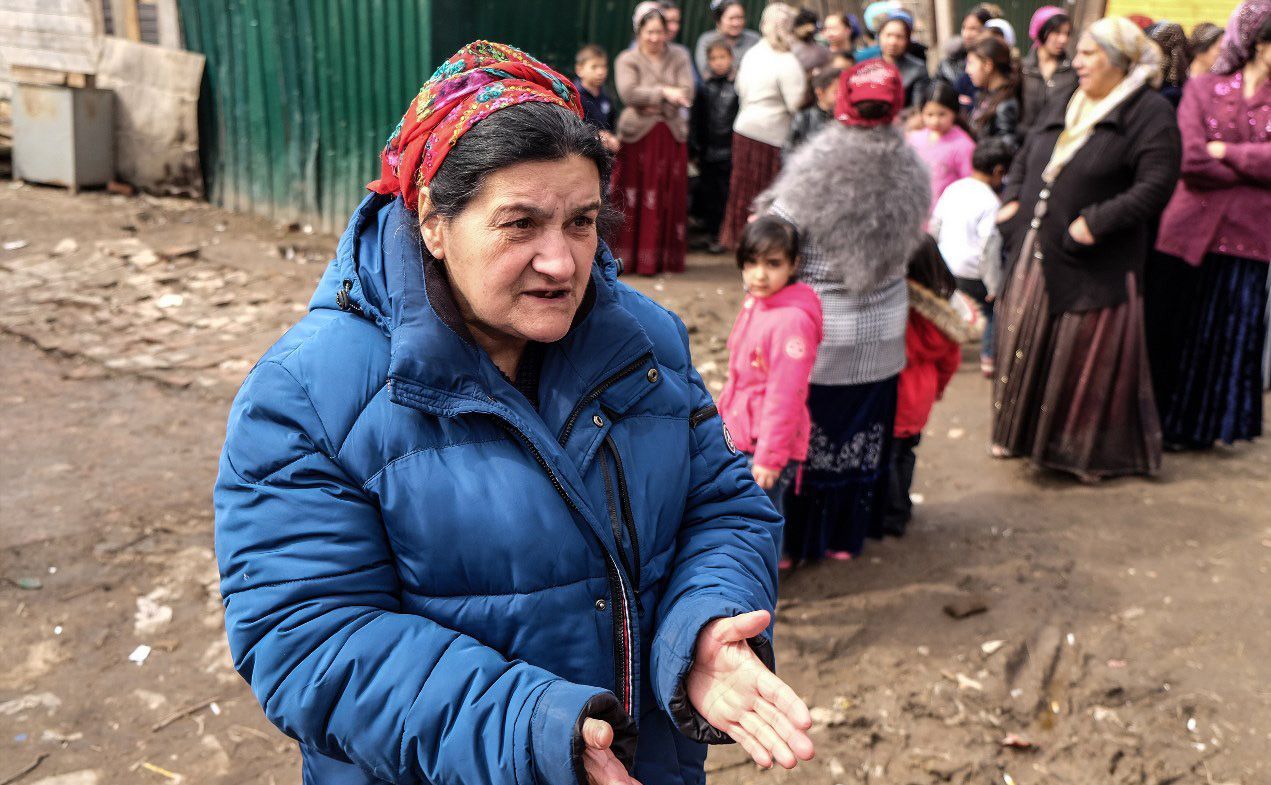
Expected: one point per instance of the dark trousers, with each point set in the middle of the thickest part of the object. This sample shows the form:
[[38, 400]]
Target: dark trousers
[[901, 478], [976, 290], [710, 195]]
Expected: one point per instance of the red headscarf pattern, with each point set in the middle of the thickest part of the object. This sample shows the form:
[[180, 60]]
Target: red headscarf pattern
[[479, 80]]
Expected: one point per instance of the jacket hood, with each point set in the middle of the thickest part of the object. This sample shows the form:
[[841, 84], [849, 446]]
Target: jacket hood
[[380, 273]]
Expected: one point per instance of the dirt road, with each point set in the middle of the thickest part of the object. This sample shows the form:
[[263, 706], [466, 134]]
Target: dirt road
[[1125, 636]]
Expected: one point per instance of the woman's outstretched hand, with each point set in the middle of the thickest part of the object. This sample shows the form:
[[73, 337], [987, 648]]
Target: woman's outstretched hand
[[735, 692], [601, 765]]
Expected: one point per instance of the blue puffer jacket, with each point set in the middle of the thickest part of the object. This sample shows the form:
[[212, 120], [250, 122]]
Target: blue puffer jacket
[[428, 580]]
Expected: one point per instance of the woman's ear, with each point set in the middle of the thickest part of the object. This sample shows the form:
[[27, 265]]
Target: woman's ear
[[431, 228]]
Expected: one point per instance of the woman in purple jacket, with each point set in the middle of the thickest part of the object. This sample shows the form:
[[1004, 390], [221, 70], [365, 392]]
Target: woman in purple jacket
[[1217, 221]]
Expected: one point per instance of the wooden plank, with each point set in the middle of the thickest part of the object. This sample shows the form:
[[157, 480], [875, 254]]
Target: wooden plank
[[55, 23], [169, 24], [54, 42], [127, 22], [78, 63], [77, 8]]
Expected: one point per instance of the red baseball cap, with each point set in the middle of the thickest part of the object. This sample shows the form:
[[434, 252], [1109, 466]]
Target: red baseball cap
[[872, 80]]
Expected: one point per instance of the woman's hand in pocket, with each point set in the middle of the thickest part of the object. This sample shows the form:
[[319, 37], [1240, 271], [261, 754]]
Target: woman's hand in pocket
[[1079, 231]]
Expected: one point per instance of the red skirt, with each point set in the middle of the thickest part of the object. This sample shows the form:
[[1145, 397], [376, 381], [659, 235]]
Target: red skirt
[[650, 186], [1073, 391], [755, 166]]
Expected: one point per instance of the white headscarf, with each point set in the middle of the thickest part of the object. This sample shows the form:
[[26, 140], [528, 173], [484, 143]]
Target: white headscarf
[[1128, 49], [777, 26]]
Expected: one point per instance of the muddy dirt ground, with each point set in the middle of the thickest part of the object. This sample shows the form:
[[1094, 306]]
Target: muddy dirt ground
[[1125, 636]]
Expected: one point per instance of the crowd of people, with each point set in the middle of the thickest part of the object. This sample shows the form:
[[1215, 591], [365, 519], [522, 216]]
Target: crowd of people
[[1093, 196], [479, 490]]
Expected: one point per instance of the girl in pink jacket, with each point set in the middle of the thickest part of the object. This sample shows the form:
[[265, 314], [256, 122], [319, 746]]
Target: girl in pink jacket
[[771, 351]]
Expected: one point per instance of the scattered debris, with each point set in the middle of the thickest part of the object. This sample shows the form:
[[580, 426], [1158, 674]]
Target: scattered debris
[[66, 246], [29, 584], [35, 700], [30, 767], [917, 498], [169, 300], [1117, 663], [120, 188], [178, 714], [1130, 614], [83, 777], [15, 245], [139, 654], [57, 737], [957, 433], [151, 615], [179, 251], [966, 605], [171, 775], [990, 647], [1015, 741]]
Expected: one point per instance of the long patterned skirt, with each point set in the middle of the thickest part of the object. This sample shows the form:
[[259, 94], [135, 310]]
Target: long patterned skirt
[[1073, 391], [842, 497], [650, 186], [1218, 394], [755, 166]]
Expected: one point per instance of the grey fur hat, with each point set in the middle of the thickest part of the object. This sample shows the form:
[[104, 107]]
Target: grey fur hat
[[862, 195]]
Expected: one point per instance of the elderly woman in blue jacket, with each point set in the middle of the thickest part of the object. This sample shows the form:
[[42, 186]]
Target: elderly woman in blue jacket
[[477, 518]]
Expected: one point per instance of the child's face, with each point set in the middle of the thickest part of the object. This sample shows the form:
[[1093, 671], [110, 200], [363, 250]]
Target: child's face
[[593, 72], [978, 69], [768, 273], [720, 61], [937, 118], [826, 96]]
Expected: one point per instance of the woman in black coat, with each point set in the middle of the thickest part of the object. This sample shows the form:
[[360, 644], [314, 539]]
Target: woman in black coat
[[1073, 390]]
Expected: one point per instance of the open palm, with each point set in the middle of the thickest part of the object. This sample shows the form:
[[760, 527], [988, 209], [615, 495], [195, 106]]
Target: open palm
[[735, 692]]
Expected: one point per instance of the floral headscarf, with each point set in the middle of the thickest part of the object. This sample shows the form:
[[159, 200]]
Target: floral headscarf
[[479, 80], [1242, 27]]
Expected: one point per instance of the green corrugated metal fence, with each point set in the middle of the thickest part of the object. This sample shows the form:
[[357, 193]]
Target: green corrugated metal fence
[[301, 94]]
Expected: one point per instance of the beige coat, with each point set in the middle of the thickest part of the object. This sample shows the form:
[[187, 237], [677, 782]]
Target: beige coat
[[640, 81]]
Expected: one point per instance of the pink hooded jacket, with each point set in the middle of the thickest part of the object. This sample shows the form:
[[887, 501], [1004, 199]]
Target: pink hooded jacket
[[771, 351]]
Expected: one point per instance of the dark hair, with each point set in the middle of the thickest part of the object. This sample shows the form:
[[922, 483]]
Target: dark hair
[[941, 92], [1051, 25], [979, 12], [525, 132], [996, 51], [928, 269], [669, 5], [718, 42], [590, 52], [718, 11], [819, 81], [765, 234], [909, 28], [806, 16], [990, 154], [873, 110], [1204, 36], [1264, 31]]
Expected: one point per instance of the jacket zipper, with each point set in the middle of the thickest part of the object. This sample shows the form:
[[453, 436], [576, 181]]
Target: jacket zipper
[[599, 390], [702, 415], [622, 644], [624, 499]]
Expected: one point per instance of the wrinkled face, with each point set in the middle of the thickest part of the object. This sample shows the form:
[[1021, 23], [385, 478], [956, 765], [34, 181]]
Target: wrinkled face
[[972, 28], [827, 96], [519, 254], [836, 33], [893, 39], [978, 70], [733, 21], [720, 60], [768, 273], [1096, 75], [593, 73], [672, 17], [652, 35], [1057, 41], [937, 118]]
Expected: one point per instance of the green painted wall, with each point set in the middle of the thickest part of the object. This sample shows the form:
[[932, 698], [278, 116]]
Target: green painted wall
[[300, 95]]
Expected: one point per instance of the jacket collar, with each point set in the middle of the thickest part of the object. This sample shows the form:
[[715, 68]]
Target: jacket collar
[[1055, 111]]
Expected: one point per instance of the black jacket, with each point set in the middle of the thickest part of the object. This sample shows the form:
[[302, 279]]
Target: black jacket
[[1120, 181], [806, 122], [1039, 92], [710, 135], [1002, 123]]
